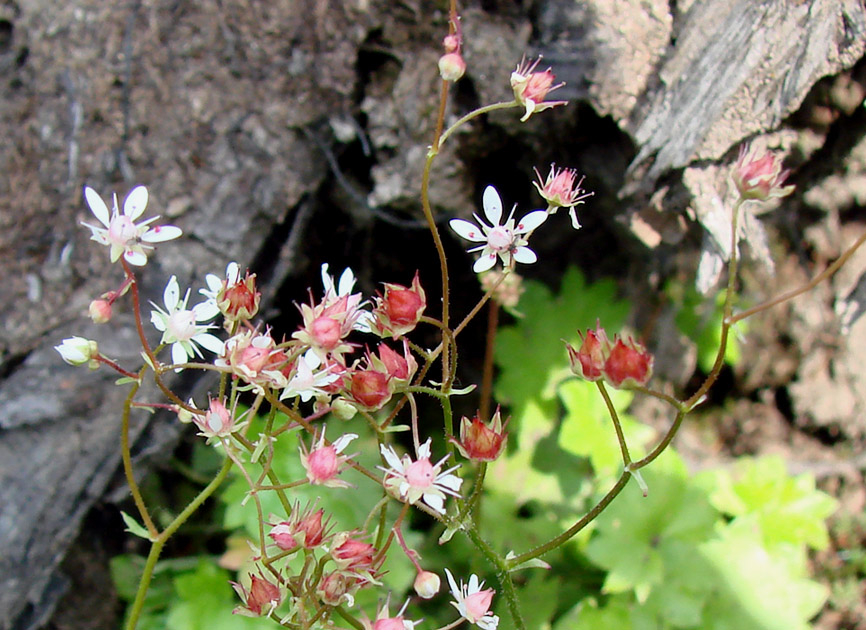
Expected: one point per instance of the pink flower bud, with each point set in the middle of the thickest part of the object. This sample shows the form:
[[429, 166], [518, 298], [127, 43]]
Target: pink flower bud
[[399, 310], [100, 311], [426, 584], [261, 598], [451, 43], [240, 300], [451, 66], [351, 553], [759, 175], [628, 364], [479, 441], [283, 535], [336, 588], [588, 362], [313, 528], [369, 388]]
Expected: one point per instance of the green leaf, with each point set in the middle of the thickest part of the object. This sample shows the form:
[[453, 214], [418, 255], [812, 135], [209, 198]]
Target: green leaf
[[787, 510], [136, 528], [700, 319], [587, 429]]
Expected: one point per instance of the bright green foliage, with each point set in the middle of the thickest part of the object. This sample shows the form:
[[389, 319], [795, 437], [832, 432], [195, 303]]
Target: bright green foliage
[[700, 319], [787, 510], [587, 429]]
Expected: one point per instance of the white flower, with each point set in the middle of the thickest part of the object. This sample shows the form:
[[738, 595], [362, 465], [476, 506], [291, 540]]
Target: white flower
[[420, 479], [472, 602], [180, 326], [306, 383], [121, 233], [77, 350], [500, 239]]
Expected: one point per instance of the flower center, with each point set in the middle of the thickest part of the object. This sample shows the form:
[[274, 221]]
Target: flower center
[[121, 230], [181, 325], [420, 474], [500, 238]]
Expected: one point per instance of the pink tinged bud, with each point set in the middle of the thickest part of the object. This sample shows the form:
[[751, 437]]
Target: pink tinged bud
[[420, 474], [478, 604], [396, 365], [482, 442], [283, 535], [451, 66], [261, 598], [427, 584], [588, 362], [759, 175], [391, 623], [628, 364], [100, 311], [336, 587], [313, 529], [351, 553], [240, 301], [78, 351], [451, 43], [531, 88], [370, 389]]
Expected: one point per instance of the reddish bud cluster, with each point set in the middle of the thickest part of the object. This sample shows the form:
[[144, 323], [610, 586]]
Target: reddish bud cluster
[[482, 442], [621, 363], [399, 310]]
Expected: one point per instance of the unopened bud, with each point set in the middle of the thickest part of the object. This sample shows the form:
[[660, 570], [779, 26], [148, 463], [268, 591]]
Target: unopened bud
[[451, 66], [426, 584], [78, 351], [99, 311]]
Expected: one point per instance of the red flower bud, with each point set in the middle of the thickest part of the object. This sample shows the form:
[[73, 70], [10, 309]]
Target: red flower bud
[[369, 388], [628, 364], [588, 362], [479, 441]]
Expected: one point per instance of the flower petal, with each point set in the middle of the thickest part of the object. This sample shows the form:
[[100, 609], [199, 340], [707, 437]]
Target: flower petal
[[210, 342], [524, 255], [206, 310], [492, 205], [135, 257], [161, 233], [467, 230], [97, 205], [484, 263], [178, 354], [531, 221], [171, 295], [435, 502], [458, 595], [135, 202], [347, 282], [391, 457]]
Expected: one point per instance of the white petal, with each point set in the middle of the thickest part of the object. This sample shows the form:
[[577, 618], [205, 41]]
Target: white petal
[[312, 360], [205, 311], [209, 342], [492, 205], [343, 441], [158, 321], [531, 221], [574, 222], [452, 482], [161, 233], [171, 295], [435, 501], [135, 257], [484, 263], [97, 205], [424, 449], [467, 230], [458, 595], [178, 354], [214, 284], [391, 457], [525, 255], [233, 273], [135, 202], [474, 586], [327, 280], [347, 282]]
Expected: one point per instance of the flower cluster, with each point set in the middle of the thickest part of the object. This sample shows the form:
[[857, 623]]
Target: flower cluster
[[619, 362]]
